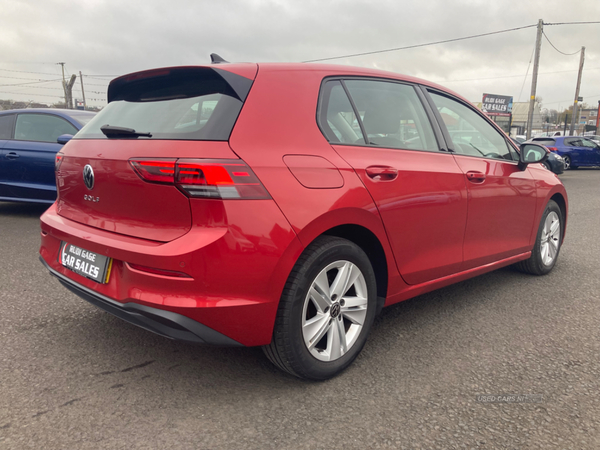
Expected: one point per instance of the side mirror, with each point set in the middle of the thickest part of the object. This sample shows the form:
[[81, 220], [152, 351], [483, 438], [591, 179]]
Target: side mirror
[[531, 154], [64, 138]]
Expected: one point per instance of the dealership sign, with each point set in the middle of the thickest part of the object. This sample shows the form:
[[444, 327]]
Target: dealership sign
[[497, 105]]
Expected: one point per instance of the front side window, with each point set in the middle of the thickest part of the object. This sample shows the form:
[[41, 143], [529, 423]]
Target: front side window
[[41, 128], [470, 133], [588, 143]]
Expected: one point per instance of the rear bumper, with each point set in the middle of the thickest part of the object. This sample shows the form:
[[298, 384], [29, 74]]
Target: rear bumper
[[235, 271], [164, 323]]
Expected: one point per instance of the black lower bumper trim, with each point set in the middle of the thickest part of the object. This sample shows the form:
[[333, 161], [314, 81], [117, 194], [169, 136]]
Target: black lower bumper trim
[[166, 323]]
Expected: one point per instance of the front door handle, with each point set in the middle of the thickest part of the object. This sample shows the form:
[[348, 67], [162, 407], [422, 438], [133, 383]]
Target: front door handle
[[12, 155], [476, 177], [382, 173]]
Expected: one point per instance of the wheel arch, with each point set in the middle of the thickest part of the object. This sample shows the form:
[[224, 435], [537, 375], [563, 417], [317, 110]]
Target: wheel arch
[[371, 245]]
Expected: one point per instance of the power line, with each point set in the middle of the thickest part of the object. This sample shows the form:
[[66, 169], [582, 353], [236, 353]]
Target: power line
[[422, 45], [33, 82], [563, 53], [570, 23], [509, 76], [526, 73]]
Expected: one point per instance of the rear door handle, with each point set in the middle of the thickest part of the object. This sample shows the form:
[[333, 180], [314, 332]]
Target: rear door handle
[[476, 177], [382, 173], [12, 155]]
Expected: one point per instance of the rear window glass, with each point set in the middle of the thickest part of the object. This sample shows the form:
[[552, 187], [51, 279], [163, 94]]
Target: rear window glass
[[184, 104], [545, 142]]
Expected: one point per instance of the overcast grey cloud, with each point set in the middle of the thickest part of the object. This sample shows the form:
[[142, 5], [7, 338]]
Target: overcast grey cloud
[[113, 37]]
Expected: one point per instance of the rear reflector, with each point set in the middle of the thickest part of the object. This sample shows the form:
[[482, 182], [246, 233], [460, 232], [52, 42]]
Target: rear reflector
[[161, 272], [203, 178]]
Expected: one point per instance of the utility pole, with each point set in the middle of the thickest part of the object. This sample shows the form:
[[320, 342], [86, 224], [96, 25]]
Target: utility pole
[[536, 63], [69, 90], [574, 117], [64, 82], [82, 91]]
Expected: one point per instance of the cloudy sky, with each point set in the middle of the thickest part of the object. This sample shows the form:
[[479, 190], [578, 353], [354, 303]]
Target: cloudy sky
[[107, 38]]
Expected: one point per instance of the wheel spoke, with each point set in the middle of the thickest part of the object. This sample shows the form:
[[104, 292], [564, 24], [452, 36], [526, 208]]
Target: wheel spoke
[[551, 251], [336, 340], [353, 302], [321, 284], [356, 316], [545, 253], [345, 278], [554, 227], [315, 328], [319, 299]]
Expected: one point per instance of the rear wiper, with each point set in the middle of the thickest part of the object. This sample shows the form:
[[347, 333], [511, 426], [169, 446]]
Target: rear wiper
[[111, 131]]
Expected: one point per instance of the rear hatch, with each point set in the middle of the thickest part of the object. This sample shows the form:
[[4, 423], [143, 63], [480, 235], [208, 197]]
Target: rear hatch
[[117, 173]]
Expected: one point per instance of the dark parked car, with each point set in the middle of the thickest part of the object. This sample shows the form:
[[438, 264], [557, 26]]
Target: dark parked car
[[29, 141], [577, 151], [554, 163], [283, 205]]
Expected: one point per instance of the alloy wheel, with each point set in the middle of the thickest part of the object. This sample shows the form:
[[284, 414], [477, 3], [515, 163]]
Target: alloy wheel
[[550, 241], [334, 311]]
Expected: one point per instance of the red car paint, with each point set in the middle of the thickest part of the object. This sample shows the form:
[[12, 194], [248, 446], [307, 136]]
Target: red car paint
[[229, 259]]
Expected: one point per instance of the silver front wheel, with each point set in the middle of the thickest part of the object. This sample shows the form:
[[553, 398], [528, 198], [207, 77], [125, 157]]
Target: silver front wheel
[[550, 241], [334, 311]]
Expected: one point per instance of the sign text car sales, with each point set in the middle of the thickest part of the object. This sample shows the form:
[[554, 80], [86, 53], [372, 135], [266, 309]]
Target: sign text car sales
[[497, 105]]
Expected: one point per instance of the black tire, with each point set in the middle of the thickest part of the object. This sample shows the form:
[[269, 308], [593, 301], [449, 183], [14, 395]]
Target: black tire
[[536, 265], [547, 166], [288, 349]]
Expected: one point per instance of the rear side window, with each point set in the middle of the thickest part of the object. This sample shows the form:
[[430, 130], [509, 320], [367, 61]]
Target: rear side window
[[41, 127], [390, 114], [338, 121], [6, 124], [187, 104]]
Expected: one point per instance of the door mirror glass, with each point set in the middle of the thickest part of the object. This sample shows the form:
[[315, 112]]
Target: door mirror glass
[[532, 153]]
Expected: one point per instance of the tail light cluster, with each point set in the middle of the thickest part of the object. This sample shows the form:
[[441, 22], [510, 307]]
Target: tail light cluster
[[553, 149], [203, 178], [58, 161]]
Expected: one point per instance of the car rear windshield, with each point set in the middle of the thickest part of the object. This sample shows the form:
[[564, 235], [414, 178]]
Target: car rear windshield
[[181, 103], [543, 141]]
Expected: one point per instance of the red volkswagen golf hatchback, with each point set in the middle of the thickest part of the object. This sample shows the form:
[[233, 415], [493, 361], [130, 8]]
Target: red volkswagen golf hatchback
[[283, 205]]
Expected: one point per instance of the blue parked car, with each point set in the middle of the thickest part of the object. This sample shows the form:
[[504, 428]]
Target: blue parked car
[[577, 151], [29, 141]]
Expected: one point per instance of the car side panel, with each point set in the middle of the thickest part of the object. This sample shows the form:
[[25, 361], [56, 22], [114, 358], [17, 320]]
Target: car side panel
[[30, 169]]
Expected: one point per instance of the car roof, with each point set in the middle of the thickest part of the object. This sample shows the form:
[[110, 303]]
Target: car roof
[[327, 70], [54, 111]]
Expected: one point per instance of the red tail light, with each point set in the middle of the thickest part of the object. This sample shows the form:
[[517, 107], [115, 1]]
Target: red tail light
[[58, 161], [204, 178], [156, 170], [553, 149]]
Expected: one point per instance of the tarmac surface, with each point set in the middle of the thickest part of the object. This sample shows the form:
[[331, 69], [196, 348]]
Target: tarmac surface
[[501, 361]]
